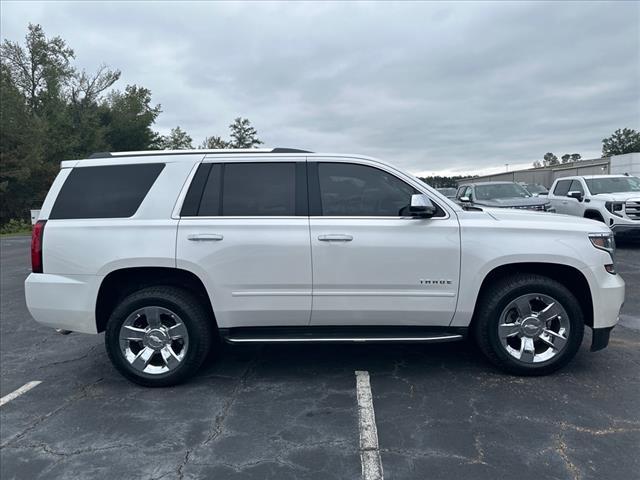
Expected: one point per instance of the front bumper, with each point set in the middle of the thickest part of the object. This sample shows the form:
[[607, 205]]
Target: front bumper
[[632, 230], [607, 294], [600, 338]]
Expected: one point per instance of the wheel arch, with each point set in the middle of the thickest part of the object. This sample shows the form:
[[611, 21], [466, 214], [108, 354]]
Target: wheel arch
[[122, 282], [594, 215], [572, 278]]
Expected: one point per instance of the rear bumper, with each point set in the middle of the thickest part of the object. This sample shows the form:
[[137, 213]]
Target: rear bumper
[[63, 301]]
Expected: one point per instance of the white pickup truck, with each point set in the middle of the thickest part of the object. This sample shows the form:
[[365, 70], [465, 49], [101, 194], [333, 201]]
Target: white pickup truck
[[167, 252], [611, 199]]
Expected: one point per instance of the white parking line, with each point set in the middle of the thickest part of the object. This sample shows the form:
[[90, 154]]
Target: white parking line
[[369, 450], [15, 394]]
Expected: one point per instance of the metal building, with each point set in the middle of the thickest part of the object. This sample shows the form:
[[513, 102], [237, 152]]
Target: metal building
[[618, 164]]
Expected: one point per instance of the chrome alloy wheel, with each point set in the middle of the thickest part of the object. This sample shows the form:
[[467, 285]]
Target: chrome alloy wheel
[[154, 340], [534, 328]]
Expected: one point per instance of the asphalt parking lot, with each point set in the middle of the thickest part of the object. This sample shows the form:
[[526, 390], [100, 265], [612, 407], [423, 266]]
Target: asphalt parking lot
[[280, 412]]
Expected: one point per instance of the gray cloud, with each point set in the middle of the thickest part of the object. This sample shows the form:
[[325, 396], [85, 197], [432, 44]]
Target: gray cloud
[[432, 87]]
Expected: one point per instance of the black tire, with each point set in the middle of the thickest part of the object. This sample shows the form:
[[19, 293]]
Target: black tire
[[190, 310], [494, 301]]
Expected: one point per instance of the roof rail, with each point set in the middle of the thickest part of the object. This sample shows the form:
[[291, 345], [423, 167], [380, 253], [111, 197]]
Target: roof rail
[[224, 151]]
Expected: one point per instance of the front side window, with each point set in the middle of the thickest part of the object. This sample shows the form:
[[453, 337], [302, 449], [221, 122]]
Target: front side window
[[576, 186], [361, 191], [562, 188]]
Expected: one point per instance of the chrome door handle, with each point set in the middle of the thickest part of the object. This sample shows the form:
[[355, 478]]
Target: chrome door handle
[[335, 237], [205, 237]]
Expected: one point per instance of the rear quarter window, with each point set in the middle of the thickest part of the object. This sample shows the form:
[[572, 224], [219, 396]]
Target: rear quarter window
[[109, 191]]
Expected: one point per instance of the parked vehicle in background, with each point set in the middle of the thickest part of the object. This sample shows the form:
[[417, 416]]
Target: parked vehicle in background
[[536, 189], [500, 195], [166, 252], [450, 193], [611, 199]]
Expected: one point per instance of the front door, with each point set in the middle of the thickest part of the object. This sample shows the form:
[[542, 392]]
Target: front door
[[559, 198], [372, 264], [246, 234], [573, 205]]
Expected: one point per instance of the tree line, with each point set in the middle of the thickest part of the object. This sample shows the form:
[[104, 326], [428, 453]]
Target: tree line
[[625, 140], [51, 111], [439, 181]]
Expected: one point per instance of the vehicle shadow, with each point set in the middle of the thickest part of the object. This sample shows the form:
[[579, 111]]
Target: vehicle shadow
[[281, 362], [628, 241]]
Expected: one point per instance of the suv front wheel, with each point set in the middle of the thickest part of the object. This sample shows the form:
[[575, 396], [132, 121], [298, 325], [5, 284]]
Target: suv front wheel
[[529, 324], [158, 336]]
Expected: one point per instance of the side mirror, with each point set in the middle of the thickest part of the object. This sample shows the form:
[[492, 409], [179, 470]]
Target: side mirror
[[575, 194], [465, 199], [421, 206]]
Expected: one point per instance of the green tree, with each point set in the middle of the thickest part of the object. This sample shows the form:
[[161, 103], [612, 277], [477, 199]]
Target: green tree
[[41, 68], [243, 135], [20, 150], [128, 117], [50, 111], [550, 159], [622, 141], [576, 157], [177, 139], [565, 158], [438, 181], [214, 142]]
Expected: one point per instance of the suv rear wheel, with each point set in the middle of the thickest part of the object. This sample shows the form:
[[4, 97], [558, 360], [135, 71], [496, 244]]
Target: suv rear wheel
[[158, 336], [529, 324]]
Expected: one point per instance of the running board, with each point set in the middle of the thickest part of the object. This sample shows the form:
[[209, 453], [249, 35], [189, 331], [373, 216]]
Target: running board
[[347, 334]]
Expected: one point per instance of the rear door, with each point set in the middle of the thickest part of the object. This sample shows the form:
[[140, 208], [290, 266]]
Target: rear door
[[244, 228], [372, 265]]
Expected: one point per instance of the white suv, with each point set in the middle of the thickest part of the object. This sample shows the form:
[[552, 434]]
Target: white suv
[[611, 199], [167, 252]]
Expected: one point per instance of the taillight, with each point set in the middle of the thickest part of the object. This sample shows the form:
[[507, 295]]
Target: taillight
[[36, 246]]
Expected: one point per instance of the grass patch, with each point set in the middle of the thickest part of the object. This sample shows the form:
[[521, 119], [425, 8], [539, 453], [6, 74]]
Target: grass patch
[[15, 227]]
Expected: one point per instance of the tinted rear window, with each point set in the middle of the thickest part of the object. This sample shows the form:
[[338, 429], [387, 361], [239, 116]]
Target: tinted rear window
[[113, 191], [259, 189], [247, 190]]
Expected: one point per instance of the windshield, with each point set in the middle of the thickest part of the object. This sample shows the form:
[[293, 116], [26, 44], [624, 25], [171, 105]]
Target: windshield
[[448, 192], [500, 190], [613, 185], [535, 188]]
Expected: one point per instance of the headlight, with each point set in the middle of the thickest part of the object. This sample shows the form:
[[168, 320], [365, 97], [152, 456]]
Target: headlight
[[603, 241], [614, 207]]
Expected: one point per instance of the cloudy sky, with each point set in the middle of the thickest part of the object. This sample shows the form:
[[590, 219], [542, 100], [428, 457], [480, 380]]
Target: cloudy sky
[[433, 87]]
